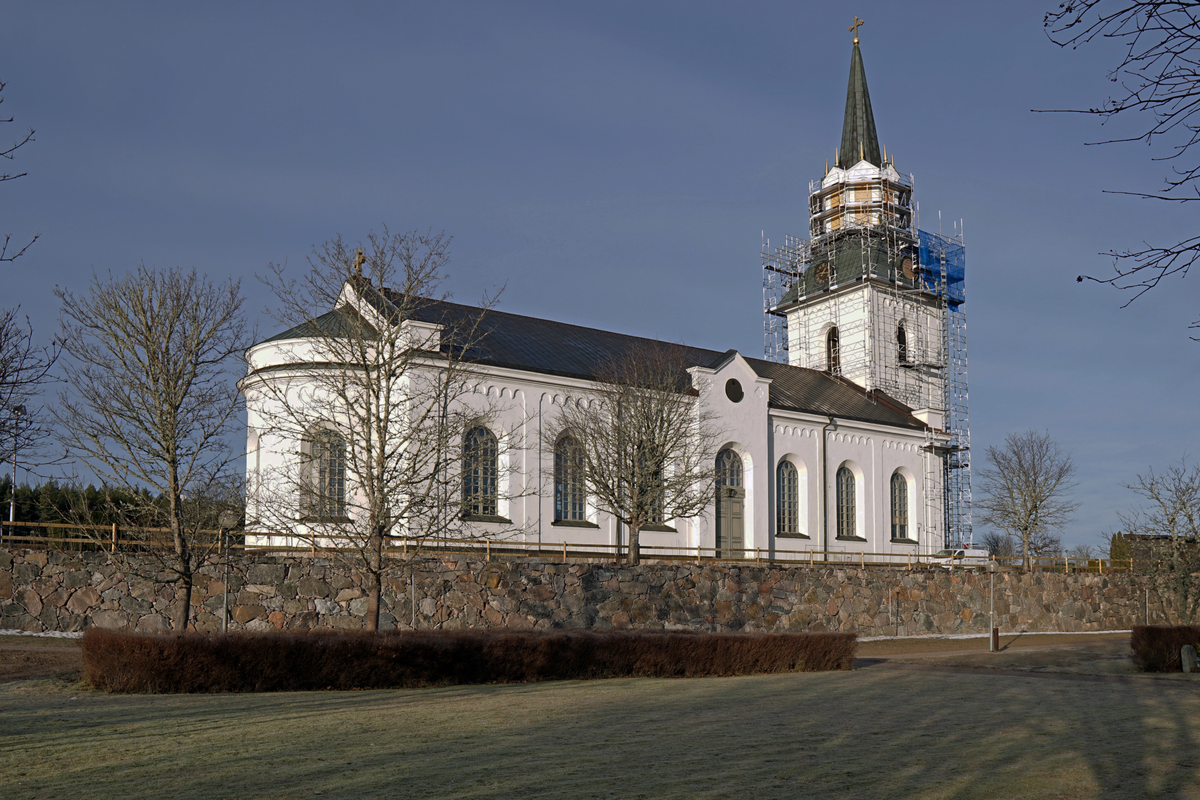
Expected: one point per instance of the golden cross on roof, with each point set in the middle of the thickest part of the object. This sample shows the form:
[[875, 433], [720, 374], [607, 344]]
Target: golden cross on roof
[[854, 28]]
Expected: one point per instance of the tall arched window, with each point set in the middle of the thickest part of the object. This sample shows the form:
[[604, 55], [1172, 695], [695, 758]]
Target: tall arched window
[[729, 469], [323, 483], [650, 488], [847, 513], [833, 360], [901, 344], [899, 506], [787, 499], [480, 453], [570, 498]]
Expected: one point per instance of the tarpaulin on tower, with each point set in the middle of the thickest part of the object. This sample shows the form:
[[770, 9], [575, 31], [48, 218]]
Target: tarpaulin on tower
[[943, 266]]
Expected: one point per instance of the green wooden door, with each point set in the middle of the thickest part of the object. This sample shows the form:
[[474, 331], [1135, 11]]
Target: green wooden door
[[731, 496]]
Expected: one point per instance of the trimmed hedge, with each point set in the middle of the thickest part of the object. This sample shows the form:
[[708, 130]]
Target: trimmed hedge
[[253, 662], [1156, 647]]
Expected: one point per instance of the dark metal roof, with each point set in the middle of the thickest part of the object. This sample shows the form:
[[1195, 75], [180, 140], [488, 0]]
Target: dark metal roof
[[339, 322], [809, 391], [859, 139], [558, 348]]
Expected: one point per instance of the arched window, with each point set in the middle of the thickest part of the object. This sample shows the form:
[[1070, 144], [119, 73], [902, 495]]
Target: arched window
[[899, 506], [479, 473], [847, 513], [651, 490], [833, 361], [787, 499], [901, 344], [729, 469], [570, 498], [323, 482]]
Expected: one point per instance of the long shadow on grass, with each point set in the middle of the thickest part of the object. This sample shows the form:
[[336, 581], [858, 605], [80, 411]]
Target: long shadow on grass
[[864, 734]]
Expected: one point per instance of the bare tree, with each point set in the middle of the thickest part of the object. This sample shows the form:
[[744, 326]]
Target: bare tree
[[1082, 554], [152, 398], [8, 152], [24, 369], [375, 392], [999, 544], [1169, 518], [644, 441], [1025, 491], [1159, 78]]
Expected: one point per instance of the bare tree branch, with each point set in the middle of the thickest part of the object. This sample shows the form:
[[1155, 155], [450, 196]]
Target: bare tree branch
[[8, 153], [646, 443], [24, 371], [1025, 491], [151, 396], [1159, 77], [1166, 531], [383, 364]]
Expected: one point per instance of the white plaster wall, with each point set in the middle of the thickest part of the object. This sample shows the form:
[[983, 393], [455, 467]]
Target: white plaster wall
[[523, 412]]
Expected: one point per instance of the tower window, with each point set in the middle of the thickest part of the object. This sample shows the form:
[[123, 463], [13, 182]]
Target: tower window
[[833, 359], [901, 344]]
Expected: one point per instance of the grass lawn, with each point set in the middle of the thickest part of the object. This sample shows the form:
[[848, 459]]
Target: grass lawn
[[890, 730]]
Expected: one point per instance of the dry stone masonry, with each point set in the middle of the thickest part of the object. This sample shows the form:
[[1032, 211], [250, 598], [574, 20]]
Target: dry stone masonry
[[68, 591]]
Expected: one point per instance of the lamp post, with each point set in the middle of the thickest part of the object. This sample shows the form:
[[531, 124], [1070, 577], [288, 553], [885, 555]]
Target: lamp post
[[992, 637], [17, 412], [229, 519]]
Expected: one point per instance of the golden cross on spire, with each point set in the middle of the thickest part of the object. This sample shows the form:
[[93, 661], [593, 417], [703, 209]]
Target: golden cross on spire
[[854, 28], [359, 260]]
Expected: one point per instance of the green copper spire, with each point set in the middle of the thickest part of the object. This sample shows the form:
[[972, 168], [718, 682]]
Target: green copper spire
[[859, 140]]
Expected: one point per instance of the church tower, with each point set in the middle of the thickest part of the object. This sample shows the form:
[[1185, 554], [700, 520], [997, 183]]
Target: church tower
[[871, 299]]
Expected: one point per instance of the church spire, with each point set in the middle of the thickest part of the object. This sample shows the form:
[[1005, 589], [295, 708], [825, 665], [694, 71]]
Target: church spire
[[859, 140]]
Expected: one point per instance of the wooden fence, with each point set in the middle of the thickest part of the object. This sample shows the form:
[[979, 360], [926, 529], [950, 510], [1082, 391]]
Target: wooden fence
[[58, 536]]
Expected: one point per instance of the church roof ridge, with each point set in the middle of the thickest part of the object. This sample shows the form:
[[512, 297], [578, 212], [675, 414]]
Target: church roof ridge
[[549, 347]]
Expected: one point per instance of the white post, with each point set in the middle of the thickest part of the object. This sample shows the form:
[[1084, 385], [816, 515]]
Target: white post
[[17, 412]]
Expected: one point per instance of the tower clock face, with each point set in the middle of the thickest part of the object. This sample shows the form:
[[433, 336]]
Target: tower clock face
[[906, 268], [822, 273]]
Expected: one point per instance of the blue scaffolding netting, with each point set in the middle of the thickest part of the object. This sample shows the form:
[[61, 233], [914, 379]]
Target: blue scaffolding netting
[[943, 266]]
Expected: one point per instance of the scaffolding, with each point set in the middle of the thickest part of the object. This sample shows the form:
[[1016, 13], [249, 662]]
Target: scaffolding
[[943, 267], [895, 294]]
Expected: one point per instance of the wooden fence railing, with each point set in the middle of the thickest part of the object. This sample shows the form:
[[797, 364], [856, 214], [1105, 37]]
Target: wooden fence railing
[[110, 538]]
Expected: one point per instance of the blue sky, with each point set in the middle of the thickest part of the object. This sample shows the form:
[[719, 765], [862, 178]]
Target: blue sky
[[614, 165]]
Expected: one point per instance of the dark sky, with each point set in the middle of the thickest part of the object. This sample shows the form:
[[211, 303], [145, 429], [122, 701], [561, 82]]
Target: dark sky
[[614, 165]]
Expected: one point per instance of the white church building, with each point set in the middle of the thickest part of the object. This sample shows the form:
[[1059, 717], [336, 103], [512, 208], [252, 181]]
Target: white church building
[[839, 443]]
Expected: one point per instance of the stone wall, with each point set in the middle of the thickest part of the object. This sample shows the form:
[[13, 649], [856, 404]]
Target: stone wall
[[66, 591]]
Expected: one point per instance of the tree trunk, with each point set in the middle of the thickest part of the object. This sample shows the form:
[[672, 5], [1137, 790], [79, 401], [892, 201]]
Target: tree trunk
[[183, 607], [373, 576], [371, 622], [635, 555]]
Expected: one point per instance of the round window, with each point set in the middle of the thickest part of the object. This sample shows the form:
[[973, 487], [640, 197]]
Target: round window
[[733, 390]]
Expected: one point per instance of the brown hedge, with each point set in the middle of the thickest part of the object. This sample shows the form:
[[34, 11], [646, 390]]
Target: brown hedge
[[260, 662], [1156, 647]]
